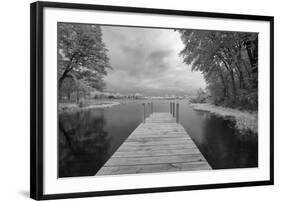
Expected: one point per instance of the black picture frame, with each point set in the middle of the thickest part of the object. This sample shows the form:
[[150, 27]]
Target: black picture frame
[[37, 101]]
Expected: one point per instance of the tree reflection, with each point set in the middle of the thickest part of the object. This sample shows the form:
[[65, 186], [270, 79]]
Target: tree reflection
[[227, 147], [83, 143]]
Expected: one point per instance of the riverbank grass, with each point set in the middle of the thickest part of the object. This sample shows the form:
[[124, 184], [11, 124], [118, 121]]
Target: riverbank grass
[[245, 120], [74, 107]]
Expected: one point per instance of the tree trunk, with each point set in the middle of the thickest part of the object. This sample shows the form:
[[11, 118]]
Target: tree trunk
[[233, 84], [77, 97], [61, 80], [242, 84], [238, 66], [225, 92], [252, 54], [231, 76], [65, 75]]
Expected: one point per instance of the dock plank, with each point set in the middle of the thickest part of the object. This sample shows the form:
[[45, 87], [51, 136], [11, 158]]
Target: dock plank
[[197, 157], [156, 148], [157, 145], [152, 168], [165, 152]]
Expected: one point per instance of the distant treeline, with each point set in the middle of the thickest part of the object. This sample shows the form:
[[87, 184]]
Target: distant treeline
[[229, 63]]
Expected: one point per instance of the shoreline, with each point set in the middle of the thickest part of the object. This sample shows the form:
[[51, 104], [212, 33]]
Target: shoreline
[[244, 120], [72, 107]]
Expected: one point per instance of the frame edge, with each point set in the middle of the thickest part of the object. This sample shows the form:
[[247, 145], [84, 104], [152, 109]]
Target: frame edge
[[271, 90], [36, 100], [153, 10]]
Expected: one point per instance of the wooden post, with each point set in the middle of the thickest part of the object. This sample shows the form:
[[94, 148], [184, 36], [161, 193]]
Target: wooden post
[[143, 112], [174, 110], [178, 113], [170, 108], [151, 105], [148, 108]]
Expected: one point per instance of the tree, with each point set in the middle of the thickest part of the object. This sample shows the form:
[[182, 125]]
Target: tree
[[228, 61], [82, 55], [67, 88]]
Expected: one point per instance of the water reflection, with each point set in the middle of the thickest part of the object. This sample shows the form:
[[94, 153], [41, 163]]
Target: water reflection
[[88, 138], [83, 143], [226, 147]]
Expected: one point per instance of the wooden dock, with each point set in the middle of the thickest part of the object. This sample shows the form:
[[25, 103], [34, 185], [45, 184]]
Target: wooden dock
[[159, 144]]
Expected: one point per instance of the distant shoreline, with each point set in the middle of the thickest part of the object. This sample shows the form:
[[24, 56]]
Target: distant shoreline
[[73, 107], [245, 120]]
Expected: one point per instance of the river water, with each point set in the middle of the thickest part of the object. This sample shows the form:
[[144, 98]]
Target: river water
[[88, 138]]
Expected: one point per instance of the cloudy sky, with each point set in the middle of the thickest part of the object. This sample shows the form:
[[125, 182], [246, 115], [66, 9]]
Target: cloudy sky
[[146, 61]]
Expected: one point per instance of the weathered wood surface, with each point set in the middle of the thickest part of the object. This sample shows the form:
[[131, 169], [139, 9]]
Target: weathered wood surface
[[158, 145]]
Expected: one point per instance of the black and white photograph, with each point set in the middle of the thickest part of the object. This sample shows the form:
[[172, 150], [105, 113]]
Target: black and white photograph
[[132, 100], [139, 100]]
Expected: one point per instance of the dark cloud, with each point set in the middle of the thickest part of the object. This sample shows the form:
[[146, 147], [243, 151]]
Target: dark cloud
[[158, 60], [132, 51], [159, 55], [146, 60]]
